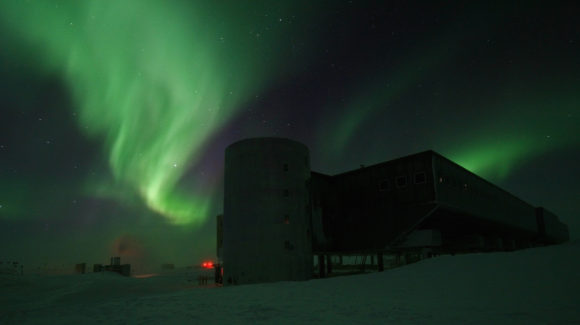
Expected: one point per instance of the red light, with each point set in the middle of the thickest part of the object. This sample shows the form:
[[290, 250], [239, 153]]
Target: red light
[[207, 265]]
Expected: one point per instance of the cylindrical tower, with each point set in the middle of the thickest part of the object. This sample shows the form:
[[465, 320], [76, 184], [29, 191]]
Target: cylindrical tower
[[266, 222]]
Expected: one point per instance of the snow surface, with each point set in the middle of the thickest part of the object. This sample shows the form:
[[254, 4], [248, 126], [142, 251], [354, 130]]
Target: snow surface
[[533, 286]]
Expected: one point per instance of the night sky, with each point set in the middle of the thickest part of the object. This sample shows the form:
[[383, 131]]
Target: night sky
[[115, 114]]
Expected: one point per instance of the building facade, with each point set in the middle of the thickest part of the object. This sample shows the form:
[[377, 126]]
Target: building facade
[[278, 213]]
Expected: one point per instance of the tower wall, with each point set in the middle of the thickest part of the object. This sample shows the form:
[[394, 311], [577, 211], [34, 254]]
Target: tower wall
[[267, 218]]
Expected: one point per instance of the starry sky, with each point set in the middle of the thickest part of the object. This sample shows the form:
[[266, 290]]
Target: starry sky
[[115, 114]]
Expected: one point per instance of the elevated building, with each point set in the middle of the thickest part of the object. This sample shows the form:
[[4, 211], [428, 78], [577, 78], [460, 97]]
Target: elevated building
[[278, 214]]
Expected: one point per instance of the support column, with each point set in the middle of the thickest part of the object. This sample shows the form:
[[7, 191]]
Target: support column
[[381, 263], [328, 264], [364, 263], [321, 266]]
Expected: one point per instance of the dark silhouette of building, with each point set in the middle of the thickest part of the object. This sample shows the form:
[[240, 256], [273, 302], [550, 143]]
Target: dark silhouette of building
[[81, 268], [426, 200], [115, 266], [422, 203]]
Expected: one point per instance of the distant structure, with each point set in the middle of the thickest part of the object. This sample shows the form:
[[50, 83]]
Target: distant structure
[[81, 268], [11, 267], [115, 266], [278, 214]]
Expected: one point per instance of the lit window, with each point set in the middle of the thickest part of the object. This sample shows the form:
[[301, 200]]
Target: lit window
[[401, 181], [420, 178]]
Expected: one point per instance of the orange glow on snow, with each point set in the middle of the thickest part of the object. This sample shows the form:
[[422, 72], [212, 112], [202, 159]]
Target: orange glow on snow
[[145, 276]]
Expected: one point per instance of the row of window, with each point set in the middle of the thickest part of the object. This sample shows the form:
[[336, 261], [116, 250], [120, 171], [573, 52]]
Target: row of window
[[453, 182], [483, 191], [401, 181], [478, 188]]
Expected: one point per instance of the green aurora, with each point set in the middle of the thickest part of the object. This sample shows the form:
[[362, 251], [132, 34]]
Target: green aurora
[[153, 91], [139, 98], [520, 129]]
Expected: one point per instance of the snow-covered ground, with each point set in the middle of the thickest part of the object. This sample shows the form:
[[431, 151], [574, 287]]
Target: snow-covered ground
[[534, 286]]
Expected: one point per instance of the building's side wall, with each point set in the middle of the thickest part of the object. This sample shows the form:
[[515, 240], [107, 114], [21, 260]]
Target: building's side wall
[[220, 236], [323, 203], [374, 207], [266, 223], [551, 230], [463, 191]]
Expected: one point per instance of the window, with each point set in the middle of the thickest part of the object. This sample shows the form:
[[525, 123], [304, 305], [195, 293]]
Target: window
[[420, 178], [285, 167], [286, 192], [286, 219], [401, 181], [383, 185]]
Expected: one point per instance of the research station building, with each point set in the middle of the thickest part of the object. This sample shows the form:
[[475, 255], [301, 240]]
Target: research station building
[[278, 214]]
